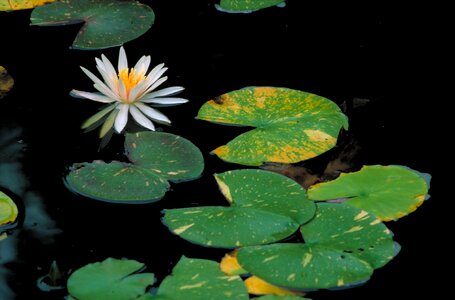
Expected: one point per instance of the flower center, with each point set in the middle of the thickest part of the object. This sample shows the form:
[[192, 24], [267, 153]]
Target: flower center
[[130, 79]]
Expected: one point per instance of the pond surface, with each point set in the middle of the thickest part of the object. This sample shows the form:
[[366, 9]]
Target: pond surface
[[341, 56]]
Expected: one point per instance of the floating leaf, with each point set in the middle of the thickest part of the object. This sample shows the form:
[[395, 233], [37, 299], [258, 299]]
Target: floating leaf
[[8, 210], [21, 4], [257, 286], [200, 279], [246, 6], [111, 279], [6, 82], [230, 266], [389, 192], [107, 23], [351, 230], [156, 158], [291, 125], [265, 208], [302, 266]]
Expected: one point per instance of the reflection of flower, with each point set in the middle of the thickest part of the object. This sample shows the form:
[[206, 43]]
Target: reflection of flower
[[128, 90]]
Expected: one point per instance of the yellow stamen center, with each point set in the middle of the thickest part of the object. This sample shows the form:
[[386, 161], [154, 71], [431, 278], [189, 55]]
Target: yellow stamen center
[[130, 79]]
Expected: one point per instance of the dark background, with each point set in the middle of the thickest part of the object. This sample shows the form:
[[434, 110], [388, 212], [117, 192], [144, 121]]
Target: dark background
[[373, 52]]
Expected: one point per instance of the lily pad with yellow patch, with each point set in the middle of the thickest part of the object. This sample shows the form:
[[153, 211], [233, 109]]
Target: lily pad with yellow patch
[[6, 5], [290, 125], [8, 210], [6, 82]]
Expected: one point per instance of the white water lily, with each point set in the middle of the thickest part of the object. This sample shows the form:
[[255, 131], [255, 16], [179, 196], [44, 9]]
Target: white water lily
[[129, 91]]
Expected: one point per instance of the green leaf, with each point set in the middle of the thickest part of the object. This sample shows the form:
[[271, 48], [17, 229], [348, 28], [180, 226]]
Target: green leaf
[[8, 210], [107, 23], [193, 279], [246, 5], [6, 82], [8, 5], [302, 266], [157, 157], [285, 297], [351, 230], [388, 192], [291, 125], [111, 279], [265, 208]]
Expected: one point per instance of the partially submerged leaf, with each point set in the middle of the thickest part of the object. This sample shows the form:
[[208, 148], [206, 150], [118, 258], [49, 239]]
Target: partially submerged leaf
[[156, 158], [6, 82], [265, 208], [257, 286], [388, 192], [8, 210], [194, 279], [291, 125], [6, 5], [107, 23], [111, 279], [246, 6], [230, 266]]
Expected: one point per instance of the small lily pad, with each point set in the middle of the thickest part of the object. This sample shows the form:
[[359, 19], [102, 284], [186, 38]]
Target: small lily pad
[[6, 82], [194, 279], [156, 158], [246, 6], [111, 279], [291, 125], [8, 210], [107, 23], [388, 192], [265, 208], [6, 5]]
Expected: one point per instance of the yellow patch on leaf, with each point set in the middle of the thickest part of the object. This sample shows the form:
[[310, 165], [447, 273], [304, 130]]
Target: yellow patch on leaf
[[6, 82], [22, 4], [319, 136], [224, 189], [230, 265], [257, 286], [8, 210]]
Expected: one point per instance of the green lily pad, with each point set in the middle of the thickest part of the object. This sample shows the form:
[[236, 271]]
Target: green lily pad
[[8, 210], [265, 207], [291, 125], [156, 158], [107, 23], [388, 192], [246, 5], [111, 279], [304, 266], [200, 279], [351, 230]]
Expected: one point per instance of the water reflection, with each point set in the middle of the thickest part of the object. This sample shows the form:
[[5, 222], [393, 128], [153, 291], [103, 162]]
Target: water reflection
[[37, 224]]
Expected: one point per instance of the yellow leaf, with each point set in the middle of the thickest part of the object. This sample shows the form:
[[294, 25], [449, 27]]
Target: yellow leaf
[[8, 210], [6, 82], [257, 286], [3, 236], [22, 4], [230, 266]]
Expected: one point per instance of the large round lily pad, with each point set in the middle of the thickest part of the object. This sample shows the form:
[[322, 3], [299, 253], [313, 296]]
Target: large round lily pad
[[156, 158], [107, 23], [111, 279], [388, 192], [351, 230], [291, 125], [246, 5], [195, 279], [265, 207], [8, 210]]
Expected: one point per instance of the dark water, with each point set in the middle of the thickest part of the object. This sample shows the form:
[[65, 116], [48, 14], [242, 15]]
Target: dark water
[[337, 52]]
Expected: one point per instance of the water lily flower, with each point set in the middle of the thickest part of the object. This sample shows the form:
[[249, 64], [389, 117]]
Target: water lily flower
[[128, 91]]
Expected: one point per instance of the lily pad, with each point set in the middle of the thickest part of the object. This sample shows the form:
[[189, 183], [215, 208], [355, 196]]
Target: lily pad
[[8, 210], [265, 208], [107, 23], [111, 279], [257, 286], [246, 6], [6, 82], [230, 266], [286, 297], [388, 192], [156, 157], [6, 5], [200, 279], [291, 125], [304, 266], [353, 231]]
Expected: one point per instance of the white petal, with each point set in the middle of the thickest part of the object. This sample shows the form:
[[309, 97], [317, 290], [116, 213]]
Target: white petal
[[91, 76], [108, 80], [135, 91], [122, 89], [141, 119], [122, 118], [150, 80], [155, 70], [110, 70], [91, 96], [122, 60], [152, 113], [100, 64], [166, 101], [102, 88], [143, 64], [156, 84], [164, 92]]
